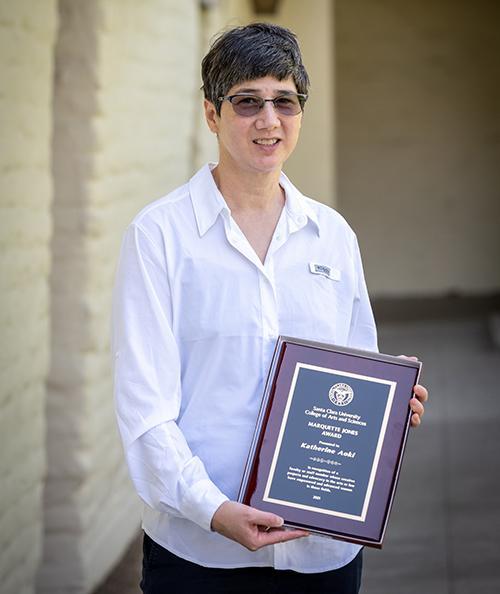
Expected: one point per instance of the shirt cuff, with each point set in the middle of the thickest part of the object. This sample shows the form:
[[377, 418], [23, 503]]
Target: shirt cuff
[[203, 501]]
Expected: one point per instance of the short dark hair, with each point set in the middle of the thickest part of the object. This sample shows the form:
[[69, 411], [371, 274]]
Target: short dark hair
[[250, 52]]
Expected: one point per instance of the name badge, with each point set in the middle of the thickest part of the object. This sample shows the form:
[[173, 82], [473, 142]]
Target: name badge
[[324, 270]]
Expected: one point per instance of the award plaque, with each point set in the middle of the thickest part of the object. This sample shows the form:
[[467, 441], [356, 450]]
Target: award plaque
[[329, 440]]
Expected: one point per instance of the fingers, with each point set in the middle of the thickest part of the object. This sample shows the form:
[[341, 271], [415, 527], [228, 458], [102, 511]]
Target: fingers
[[417, 407], [421, 393], [270, 530], [415, 420], [412, 358], [276, 536], [266, 519]]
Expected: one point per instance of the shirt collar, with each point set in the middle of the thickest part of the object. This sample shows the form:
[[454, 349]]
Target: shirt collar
[[208, 202], [206, 198], [298, 209]]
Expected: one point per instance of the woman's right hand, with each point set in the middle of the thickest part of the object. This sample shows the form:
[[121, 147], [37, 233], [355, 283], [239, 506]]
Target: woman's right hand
[[251, 527]]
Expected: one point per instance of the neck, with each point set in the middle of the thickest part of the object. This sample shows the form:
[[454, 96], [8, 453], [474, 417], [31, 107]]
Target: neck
[[248, 191]]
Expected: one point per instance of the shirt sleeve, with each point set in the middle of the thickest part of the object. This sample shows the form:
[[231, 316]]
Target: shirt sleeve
[[362, 330], [147, 387]]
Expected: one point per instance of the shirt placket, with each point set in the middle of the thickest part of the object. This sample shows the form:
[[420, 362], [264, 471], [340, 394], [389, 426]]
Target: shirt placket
[[270, 326], [267, 284]]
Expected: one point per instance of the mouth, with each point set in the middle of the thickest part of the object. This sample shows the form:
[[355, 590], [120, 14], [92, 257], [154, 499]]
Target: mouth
[[266, 141]]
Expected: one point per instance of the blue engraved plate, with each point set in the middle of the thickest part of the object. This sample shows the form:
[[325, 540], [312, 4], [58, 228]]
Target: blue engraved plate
[[330, 440]]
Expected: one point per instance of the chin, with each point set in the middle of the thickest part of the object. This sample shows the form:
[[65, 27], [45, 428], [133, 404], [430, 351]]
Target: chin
[[269, 166], [267, 170]]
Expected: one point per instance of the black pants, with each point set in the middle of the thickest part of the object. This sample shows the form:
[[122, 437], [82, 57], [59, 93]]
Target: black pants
[[165, 573]]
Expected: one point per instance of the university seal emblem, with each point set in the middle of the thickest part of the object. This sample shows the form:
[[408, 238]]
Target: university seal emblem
[[341, 394]]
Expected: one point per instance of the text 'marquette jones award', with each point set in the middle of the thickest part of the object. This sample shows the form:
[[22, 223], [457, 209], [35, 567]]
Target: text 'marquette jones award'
[[330, 437]]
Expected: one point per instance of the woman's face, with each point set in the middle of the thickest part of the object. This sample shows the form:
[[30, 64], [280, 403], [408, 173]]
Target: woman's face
[[259, 143]]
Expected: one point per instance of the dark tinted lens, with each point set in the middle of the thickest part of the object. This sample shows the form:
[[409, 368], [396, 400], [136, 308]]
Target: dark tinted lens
[[287, 105], [247, 105]]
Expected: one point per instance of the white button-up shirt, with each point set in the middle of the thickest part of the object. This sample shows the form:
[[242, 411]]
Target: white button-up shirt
[[195, 318]]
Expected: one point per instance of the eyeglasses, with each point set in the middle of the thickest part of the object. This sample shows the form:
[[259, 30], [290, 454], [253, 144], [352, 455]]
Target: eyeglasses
[[249, 105]]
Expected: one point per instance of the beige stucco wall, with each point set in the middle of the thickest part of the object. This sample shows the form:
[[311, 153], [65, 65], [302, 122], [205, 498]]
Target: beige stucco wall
[[312, 166], [221, 15], [27, 33], [418, 87], [123, 120]]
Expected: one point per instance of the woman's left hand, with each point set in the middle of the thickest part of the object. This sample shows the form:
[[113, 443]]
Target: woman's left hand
[[420, 395]]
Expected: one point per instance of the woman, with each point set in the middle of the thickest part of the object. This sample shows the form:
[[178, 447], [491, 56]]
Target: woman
[[209, 276]]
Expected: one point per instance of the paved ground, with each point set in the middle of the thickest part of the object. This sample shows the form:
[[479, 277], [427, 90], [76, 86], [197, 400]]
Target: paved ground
[[443, 535]]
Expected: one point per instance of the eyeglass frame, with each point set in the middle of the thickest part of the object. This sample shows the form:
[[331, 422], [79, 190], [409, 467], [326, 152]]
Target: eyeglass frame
[[302, 98]]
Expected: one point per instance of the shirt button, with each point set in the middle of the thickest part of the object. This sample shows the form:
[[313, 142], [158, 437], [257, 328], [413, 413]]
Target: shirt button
[[277, 237], [301, 219]]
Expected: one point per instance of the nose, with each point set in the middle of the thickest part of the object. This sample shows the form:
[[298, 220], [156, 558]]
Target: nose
[[267, 117]]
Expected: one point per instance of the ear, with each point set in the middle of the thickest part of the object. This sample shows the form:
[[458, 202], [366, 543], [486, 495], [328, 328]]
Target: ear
[[211, 116]]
